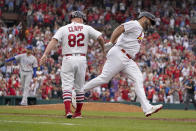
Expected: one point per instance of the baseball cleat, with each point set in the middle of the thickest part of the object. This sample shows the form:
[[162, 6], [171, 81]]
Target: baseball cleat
[[69, 115], [154, 109], [77, 116], [23, 104]]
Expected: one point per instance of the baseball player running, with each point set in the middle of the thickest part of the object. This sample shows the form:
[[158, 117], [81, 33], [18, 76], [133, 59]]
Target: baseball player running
[[74, 37], [28, 67], [120, 58]]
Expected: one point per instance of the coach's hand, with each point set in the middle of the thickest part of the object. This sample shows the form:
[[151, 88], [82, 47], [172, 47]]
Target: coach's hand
[[108, 46], [43, 59]]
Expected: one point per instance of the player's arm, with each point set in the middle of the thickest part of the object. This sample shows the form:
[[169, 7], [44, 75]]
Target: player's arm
[[57, 37], [10, 59], [34, 71], [188, 87], [115, 34], [50, 46], [96, 35], [101, 42]]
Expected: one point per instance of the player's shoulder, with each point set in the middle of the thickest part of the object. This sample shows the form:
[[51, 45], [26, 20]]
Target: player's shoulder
[[33, 56], [23, 54], [133, 24], [19, 56], [88, 26]]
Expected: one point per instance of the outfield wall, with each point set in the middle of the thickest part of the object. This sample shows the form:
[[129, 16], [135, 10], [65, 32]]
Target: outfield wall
[[15, 100]]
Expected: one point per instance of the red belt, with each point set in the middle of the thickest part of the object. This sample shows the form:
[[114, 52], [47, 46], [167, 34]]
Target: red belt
[[126, 53], [81, 54]]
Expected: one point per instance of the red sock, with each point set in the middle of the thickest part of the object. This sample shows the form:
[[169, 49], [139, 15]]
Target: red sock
[[79, 101], [79, 108], [67, 106], [67, 101]]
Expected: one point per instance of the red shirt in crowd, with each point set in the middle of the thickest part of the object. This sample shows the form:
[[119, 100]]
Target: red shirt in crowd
[[44, 93], [24, 7], [2, 2], [46, 18], [178, 21], [95, 96], [161, 97], [44, 7], [151, 92], [90, 18], [108, 17], [125, 95]]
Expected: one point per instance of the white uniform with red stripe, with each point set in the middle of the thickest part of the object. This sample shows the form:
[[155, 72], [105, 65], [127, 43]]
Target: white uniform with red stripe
[[74, 38], [119, 58]]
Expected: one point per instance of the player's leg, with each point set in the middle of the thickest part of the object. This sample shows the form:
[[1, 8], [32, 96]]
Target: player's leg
[[187, 99], [112, 66], [134, 73], [22, 77], [79, 83], [67, 78], [27, 79]]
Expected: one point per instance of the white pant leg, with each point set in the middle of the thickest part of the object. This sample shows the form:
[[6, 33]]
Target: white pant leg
[[67, 73], [22, 77], [112, 66], [80, 73], [134, 73], [27, 81]]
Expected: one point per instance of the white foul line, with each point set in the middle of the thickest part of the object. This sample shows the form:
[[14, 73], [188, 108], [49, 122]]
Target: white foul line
[[32, 122]]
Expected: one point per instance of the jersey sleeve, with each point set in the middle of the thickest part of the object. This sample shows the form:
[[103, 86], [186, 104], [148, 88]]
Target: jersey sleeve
[[129, 26], [93, 33], [35, 64], [58, 35], [18, 57]]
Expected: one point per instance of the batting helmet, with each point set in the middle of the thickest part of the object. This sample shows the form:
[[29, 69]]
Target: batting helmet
[[78, 14], [29, 47], [148, 15]]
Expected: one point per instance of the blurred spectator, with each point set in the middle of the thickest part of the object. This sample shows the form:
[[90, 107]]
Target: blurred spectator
[[167, 54], [174, 92]]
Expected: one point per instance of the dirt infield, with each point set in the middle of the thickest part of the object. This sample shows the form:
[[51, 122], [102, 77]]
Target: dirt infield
[[111, 107]]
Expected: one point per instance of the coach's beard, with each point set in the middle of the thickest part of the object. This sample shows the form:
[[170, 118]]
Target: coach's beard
[[146, 25]]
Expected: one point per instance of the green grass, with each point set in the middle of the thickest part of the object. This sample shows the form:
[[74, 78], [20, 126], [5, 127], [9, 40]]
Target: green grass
[[11, 120]]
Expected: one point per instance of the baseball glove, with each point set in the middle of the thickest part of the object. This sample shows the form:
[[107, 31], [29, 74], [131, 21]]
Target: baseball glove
[[2, 64]]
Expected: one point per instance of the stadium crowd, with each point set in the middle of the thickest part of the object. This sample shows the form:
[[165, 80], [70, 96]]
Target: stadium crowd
[[166, 57]]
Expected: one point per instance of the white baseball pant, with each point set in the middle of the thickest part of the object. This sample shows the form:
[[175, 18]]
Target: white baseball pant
[[118, 61], [73, 72], [26, 78]]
